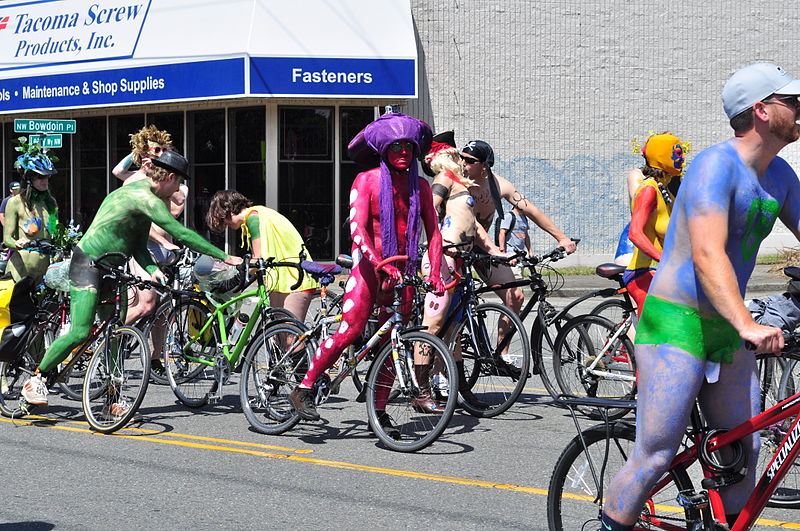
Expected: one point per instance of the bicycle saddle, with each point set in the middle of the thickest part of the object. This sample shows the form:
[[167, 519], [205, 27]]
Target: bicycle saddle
[[792, 272], [609, 270], [323, 273], [344, 260]]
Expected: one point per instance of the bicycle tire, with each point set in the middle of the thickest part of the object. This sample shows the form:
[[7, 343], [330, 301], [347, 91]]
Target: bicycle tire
[[116, 383], [787, 495], [574, 500], [191, 381], [486, 374], [13, 375], [577, 346], [415, 430], [269, 374], [615, 310], [150, 326], [542, 344]]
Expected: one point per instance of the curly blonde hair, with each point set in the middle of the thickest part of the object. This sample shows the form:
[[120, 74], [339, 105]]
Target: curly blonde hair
[[140, 139], [450, 159]]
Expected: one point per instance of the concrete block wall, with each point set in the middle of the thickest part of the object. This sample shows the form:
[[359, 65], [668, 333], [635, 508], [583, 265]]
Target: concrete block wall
[[560, 87]]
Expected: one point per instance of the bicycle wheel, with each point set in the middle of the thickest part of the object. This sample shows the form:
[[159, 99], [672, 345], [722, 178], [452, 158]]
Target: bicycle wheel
[[578, 370], [580, 478], [542, 341], [72, 383], [13, 374], [615, 310], [154, 329], [414, 430], [190, 379], [787, 495], [116, 379], [496, 364], [269, 374]]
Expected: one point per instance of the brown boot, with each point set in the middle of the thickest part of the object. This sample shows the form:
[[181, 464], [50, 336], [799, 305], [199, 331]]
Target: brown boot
[[424, 403]]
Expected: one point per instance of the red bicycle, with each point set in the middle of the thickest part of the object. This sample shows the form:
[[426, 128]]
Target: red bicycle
[[709, 458]]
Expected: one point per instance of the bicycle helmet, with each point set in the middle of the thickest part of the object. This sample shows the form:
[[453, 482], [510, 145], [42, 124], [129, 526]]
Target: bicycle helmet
[[36, 162]]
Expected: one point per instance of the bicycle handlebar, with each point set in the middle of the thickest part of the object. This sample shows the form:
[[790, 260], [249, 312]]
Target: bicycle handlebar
[[386, 261], [246, 279], [791, 341]]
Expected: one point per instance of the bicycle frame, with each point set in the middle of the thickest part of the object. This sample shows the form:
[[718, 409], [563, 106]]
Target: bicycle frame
[[778, 467], [218, 318], [391, 326]]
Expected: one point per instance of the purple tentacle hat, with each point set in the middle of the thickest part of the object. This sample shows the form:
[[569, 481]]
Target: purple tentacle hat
[[369, 146]]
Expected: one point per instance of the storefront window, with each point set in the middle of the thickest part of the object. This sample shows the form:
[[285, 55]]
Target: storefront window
[[351, 121], [206, 143], [91, 177], [305, 175], [120, 127]]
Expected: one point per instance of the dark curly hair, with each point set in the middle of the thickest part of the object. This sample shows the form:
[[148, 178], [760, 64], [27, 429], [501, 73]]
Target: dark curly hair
[[224, 204]]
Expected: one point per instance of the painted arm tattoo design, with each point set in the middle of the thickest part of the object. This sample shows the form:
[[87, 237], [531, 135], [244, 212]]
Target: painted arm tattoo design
[[519, 200]]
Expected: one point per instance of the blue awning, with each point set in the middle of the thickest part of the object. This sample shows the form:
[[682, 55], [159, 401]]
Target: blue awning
[[60, 54]]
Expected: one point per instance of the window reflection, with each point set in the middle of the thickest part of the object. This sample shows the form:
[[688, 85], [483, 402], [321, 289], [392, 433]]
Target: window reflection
[[305, 175]]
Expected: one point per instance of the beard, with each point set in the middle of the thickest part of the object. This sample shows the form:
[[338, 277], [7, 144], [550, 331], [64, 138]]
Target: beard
[[785, 130]]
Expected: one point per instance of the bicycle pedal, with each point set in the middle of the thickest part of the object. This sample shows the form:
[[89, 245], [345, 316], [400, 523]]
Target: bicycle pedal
[[214, 399]]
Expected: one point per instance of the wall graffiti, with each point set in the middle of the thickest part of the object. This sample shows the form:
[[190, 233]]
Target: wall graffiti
[[586, 196]]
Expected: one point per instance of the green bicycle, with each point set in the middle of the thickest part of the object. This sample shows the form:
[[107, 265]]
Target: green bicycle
[[203, 341]]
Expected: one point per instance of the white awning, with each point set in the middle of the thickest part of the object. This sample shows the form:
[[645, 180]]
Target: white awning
[[59, 54]]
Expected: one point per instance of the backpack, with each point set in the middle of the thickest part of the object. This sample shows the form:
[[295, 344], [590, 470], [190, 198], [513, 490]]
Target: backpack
[[17, 313]]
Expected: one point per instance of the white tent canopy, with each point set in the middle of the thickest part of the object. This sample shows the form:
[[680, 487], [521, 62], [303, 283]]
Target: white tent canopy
[[57, 54]]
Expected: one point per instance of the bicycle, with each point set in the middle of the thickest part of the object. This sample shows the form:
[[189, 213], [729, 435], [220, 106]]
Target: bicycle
[[179, 277], [199, 355], [116, 373], [592, 458], [278, 360], [596, 335], [490, 338]]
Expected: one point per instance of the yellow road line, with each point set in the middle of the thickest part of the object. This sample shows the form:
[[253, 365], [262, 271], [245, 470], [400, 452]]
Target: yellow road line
[[31, 419], [343, 465]]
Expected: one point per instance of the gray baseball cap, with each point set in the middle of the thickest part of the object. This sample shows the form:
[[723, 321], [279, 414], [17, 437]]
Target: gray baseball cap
[[753, 83]]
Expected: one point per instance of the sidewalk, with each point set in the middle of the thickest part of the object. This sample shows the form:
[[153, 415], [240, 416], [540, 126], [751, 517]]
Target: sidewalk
[[762, 282]]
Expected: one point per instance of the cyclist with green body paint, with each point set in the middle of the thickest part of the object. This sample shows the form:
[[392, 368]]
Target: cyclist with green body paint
[[122, 224], [30, 215]]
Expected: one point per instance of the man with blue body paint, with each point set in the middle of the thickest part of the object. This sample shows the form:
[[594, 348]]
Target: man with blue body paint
[[689, 338]]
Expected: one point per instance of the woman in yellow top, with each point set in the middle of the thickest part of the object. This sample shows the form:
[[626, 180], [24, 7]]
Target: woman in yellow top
[[269, 234], [652, 206]]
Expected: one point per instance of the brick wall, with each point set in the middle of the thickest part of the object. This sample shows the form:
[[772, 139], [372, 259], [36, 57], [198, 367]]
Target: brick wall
[[559, 88]]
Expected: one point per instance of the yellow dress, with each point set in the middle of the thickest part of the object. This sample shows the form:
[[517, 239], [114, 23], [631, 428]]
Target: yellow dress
[[279, 239]]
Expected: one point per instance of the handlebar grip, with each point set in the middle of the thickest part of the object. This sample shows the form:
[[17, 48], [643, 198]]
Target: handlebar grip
[[453, 283], [386, 261], [300, 273]]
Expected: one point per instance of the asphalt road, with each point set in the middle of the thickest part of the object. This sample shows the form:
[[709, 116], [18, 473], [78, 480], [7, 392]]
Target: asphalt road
[[205, 469]]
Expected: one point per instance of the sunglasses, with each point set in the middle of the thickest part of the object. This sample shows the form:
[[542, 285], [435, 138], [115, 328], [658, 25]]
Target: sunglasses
[[469, 160], [397, 147], [791, 101], [157, 150]]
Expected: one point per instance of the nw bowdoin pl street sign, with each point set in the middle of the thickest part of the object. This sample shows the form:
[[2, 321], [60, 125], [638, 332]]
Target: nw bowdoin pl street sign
[[24, 125]]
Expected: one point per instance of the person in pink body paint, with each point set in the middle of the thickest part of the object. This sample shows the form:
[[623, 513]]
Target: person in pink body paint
[[388, 205]]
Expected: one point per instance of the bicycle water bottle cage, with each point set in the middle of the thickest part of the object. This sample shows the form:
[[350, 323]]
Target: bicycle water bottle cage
[[713, 459]]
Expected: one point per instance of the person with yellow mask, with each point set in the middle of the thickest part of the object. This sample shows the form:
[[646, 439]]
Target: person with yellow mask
[[652, 206]]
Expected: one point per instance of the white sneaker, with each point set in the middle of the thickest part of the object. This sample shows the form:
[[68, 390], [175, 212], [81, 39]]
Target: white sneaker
[[115, 410], [35, 391]]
